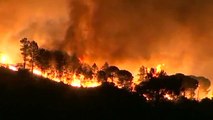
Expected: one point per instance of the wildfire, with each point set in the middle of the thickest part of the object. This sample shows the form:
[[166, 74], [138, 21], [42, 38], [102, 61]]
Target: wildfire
[[79, 80], [155, 72], [76, 80], [73, 80]]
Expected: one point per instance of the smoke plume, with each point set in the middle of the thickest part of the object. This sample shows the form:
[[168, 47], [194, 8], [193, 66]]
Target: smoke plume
[[44, 21]]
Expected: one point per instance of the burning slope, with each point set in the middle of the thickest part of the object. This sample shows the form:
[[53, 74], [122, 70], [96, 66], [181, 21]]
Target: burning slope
[[152, 83], [24, 95], [83, 76], [73, 79]]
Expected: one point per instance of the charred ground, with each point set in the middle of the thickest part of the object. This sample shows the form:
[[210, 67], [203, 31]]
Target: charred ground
[[23, 95]]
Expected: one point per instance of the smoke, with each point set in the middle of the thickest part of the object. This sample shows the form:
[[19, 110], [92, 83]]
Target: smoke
[[44, 21], [128, 33], [135, 32]]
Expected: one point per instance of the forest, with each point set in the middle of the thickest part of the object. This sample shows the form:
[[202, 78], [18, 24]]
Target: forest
[[67, 88], [152, 83]]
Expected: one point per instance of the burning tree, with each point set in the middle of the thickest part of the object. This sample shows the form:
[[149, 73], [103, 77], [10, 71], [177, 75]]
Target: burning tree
[[153, 83], [33, 53], [102, 76], [60, 62], [43, 59], [111, 72], [25, 45], [85, 70], [203, 87], [29, 52], [124, 79], [168, 87]]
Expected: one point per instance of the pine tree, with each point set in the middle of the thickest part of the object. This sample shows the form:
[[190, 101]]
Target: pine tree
[[33, 53], [25, 45]]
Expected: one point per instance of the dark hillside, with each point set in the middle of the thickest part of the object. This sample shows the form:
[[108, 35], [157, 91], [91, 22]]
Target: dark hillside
[[23, 95]]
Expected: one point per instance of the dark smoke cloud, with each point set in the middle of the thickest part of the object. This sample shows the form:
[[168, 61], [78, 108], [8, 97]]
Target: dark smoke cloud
[[175, 32]]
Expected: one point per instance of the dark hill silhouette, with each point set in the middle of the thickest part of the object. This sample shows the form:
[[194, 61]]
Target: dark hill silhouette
[[25, 96]]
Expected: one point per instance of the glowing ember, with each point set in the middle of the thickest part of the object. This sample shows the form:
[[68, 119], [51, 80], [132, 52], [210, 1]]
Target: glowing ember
[[168, 97], [147, 97]]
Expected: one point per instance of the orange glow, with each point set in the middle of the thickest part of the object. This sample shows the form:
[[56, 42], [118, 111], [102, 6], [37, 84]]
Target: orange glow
[[136, 80], [168, 97], [37, 72], [73, 80], [159, 68], [4, 59], [76, 83], [201, 94], [13, 68], [210, 94], [80, 80]]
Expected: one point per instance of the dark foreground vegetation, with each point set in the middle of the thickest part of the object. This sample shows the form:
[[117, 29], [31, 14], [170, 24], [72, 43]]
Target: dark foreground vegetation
[[23, 95]]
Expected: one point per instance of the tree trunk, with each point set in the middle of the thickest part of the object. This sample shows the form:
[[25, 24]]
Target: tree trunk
[[24, 64], [32, 66]]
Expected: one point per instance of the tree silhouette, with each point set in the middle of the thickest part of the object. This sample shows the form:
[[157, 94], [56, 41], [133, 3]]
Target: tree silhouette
[[60, 59], [43, 59], [94, 68], [25, 45], [142, 73], [74, 63], [101, 76], [33, 52], [204, 85], [151, 73], [111, 72], [85, 70], [105, 66], [125, 78], [176, 84]]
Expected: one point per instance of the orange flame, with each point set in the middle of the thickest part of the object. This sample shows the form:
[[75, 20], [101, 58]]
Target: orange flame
[[13, 68], [80, 80]]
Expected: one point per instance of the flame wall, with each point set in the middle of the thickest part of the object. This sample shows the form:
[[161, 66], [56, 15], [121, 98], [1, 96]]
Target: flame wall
[[128, 33]]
